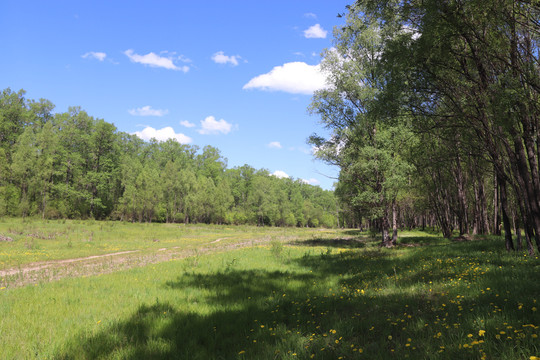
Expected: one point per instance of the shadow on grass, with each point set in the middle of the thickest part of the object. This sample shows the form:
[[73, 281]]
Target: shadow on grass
[[339, 243], [353, 232], [422, 240], [331, 305]]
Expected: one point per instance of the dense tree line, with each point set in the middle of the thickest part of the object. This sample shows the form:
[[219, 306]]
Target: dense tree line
[[435, 116], [71, 165]]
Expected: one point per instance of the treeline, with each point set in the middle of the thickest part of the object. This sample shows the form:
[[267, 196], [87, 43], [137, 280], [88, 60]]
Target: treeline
[[434, 108], [71, 165]]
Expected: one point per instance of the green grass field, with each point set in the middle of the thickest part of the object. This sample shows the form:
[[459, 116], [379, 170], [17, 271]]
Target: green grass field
[[46, 240], [327, 295]]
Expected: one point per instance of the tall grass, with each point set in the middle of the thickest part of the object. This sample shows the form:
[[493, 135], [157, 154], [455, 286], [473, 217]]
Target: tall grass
[[324, 300]]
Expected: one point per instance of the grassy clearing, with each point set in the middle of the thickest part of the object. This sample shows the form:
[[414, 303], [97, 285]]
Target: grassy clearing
[[318, 298], [45, 240]]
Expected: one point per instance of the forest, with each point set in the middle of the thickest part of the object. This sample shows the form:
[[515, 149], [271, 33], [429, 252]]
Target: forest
[[72, 165], [433, 107]]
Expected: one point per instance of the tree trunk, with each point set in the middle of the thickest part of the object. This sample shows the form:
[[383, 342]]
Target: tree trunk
[[496, 230], [531, 202], [517, 230], [463, 217], [394, 222], [385, 229], [506, 221]]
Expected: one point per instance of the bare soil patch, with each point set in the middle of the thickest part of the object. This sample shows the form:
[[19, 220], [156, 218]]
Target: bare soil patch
[[107, 263]]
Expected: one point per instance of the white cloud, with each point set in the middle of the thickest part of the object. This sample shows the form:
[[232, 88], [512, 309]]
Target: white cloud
[[154, 60], [315, 32], [162, 134], [275, 145], [184, 59], [310, 15], [212, 126], [148, 111], [311, 181], [95, 55], [293, 77], [221, 58], [280, 174], [187, 124]]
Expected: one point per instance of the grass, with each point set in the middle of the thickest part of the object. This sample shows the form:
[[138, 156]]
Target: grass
[[44, 240], [308, 299]]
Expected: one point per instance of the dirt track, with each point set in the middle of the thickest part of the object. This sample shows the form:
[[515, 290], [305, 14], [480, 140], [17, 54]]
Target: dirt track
[[107, 263]]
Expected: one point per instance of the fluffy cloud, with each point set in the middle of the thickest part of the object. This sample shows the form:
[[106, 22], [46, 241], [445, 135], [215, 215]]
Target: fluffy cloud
[[293, 77], [311, 181], [275, 145], [315, 32], [154, 60], [280, 174], [221, 58], [212, 126], [148, 111], [187, 124], [162, 134], [95, 55], [310, 15]]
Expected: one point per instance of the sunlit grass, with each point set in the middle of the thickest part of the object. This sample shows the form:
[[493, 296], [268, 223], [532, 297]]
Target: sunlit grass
[[442, 300], [45, 240]]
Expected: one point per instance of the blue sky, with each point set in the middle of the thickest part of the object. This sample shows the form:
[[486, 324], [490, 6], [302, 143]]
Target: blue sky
[[237, 75]]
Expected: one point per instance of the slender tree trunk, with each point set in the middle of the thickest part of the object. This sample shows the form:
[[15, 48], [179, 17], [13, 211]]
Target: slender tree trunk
[[496, 230], [476, 217], [483, 209], [385, 229], [463, 217], [517, 230], [394, 222], [506, 221]]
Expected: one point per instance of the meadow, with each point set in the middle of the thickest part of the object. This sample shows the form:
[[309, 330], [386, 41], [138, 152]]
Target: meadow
[[44, 240], [306, 294]]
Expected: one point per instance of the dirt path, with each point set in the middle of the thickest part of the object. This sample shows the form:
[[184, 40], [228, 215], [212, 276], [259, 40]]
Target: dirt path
[[107, 263], [46, 264]]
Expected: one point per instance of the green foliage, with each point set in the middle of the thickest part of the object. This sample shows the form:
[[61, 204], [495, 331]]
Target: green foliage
[[71, 165], [368, 142]]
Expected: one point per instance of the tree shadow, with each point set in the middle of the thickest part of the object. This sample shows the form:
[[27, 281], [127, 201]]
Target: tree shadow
[[347, 243], [355, 232], [260, 314], [422, 240]]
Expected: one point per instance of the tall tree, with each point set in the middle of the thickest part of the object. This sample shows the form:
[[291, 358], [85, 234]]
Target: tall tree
[[366, 139]]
